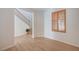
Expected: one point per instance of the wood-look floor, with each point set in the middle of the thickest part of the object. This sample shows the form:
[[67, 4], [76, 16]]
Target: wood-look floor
[[26, 43]]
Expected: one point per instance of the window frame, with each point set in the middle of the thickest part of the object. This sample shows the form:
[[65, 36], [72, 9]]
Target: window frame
[[53, 21]]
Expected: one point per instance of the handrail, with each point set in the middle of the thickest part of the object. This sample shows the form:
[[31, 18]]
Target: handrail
[[23, 17], [22, 14]]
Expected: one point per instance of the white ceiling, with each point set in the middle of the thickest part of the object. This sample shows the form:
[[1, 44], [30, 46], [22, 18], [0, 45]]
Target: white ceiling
[[39, 9], [35, 9]]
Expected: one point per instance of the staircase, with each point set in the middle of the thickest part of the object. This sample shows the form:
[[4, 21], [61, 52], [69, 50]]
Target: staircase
[[25, 17]]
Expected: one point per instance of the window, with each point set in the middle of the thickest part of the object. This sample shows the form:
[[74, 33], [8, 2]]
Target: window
[[59, 21]]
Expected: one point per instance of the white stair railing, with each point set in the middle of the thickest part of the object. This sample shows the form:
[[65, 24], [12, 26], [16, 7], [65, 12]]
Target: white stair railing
[[27, 14], [23, 18]]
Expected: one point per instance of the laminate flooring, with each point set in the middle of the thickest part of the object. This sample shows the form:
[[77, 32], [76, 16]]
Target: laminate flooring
[[26, 43]]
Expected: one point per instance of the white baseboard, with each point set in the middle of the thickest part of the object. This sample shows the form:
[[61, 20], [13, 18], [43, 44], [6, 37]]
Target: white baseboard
[[38, 36], [20, 34], [76, 45]]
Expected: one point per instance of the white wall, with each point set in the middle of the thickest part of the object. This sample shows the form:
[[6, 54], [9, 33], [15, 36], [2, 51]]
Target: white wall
[[72, 31], [38, 24], [20, 27], [6, 28]]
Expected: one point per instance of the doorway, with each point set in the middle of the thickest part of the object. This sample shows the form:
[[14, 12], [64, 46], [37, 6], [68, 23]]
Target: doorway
[[24, 20]]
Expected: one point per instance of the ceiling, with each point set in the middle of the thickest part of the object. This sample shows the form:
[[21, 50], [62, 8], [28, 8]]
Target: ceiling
[[39, 9], [35, 9]]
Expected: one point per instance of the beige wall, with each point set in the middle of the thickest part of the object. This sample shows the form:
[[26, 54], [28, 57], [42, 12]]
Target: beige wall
[[6, 28], [38, 24], [72, 31]]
